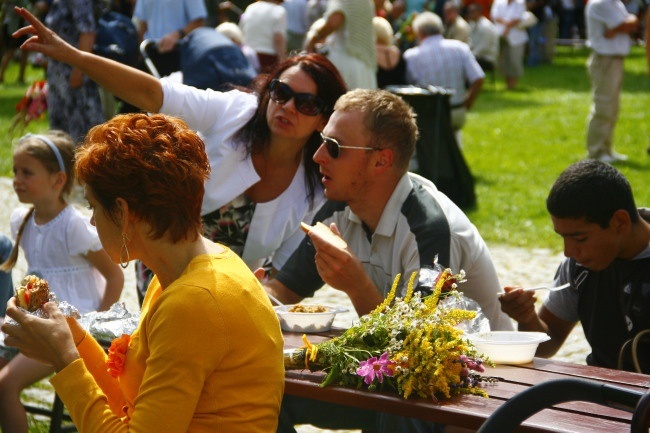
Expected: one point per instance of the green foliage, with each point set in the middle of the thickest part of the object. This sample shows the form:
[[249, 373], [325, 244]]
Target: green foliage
[[516, 143], [11, 92]]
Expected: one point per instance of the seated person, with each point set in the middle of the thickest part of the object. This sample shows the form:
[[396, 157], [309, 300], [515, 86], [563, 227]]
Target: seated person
[[207, 353], [394, 222], [607, 249]]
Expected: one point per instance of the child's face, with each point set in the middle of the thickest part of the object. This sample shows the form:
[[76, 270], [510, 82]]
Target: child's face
[[588, 243], [32, 182]]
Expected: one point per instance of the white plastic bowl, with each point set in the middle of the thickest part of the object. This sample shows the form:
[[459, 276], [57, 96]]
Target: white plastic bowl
[[307, 322], [508, 347]]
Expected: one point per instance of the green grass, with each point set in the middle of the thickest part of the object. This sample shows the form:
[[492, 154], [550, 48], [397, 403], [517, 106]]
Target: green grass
[[515, 143]]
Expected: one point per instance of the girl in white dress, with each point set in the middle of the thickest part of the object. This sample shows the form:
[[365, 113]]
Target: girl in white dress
[[59, 245]]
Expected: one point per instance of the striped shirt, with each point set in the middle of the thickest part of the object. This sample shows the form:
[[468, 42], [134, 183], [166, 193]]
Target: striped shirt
[[444, 63]]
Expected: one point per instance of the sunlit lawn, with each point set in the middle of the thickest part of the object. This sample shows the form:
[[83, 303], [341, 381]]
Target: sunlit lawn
[[516, 143]]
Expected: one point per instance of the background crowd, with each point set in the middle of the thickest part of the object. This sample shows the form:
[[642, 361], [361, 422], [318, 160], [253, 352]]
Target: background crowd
[[373, 44]]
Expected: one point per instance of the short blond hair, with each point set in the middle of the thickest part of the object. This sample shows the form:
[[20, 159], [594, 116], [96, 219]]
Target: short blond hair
[[389, 119]]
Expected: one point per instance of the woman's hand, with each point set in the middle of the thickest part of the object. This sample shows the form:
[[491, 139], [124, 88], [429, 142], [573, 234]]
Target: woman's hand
[[42, 39], [46, 340]]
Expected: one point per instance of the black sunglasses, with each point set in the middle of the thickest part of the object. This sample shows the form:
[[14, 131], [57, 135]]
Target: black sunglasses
[[334, 148], [306, 103]]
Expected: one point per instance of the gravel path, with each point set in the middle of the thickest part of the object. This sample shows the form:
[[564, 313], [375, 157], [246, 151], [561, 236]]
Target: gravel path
[[515, 266]]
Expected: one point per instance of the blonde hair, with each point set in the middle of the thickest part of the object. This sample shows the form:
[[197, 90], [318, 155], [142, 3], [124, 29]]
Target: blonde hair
[[231, 31], [383, 30], [388, 118], [56, 160]]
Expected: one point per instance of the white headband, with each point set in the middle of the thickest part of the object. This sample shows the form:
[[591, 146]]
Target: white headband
[[51, 145]]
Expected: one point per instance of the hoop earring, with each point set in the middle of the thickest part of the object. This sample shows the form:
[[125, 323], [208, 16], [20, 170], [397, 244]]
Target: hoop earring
[[124, 250]]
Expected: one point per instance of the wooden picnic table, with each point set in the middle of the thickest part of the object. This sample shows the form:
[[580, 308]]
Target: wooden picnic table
[[470, 411]]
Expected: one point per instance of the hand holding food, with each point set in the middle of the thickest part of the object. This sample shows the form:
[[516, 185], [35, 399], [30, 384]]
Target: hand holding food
[[33, 293], [324, 233]]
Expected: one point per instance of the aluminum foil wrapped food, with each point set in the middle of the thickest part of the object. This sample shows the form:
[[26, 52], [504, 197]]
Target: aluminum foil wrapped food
[[34, 292], [427, 281], [110, 324]]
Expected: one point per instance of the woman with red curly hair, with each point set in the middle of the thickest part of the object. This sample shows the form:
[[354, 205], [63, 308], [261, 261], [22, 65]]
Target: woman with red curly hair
[[264, 181], [207, 353]]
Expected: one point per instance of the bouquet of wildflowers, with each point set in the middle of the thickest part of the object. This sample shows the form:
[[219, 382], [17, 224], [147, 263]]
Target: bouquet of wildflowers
[[412, 345]]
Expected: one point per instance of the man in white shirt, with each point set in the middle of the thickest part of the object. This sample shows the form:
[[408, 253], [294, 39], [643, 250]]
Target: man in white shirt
[[455, 26], [608, 32], [444, 63], [484, 38]]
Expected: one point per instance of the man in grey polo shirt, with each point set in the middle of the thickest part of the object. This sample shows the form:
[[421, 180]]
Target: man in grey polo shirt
[[393, 222], [608, 32]]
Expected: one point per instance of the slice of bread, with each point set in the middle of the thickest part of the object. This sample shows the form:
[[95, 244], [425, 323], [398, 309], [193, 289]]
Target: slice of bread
[[325, 233]]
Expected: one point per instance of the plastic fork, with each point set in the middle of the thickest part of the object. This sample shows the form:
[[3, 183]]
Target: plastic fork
[[274, 299], [550, 289]]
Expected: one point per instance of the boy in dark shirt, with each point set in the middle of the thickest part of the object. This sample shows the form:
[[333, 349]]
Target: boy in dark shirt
[[607, 249]]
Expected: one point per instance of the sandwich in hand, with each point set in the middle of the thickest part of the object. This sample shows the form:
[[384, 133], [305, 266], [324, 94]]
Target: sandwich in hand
[[325, 233], [32, 293]]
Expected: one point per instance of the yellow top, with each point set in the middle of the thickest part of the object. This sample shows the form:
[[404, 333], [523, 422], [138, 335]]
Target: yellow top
[[206, 357]]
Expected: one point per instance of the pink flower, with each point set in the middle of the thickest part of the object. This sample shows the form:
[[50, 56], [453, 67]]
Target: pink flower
[[374, 367], [117, 355], [472, 363]]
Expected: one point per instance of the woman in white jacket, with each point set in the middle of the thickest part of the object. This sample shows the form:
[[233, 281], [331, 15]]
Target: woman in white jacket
[[260, 145]]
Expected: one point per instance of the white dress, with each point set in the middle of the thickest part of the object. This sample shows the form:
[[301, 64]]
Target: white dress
[[55, 251], [352, 46]]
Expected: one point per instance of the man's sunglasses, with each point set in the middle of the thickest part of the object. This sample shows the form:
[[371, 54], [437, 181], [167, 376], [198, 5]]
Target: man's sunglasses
[[306, 103], [334, 148]]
